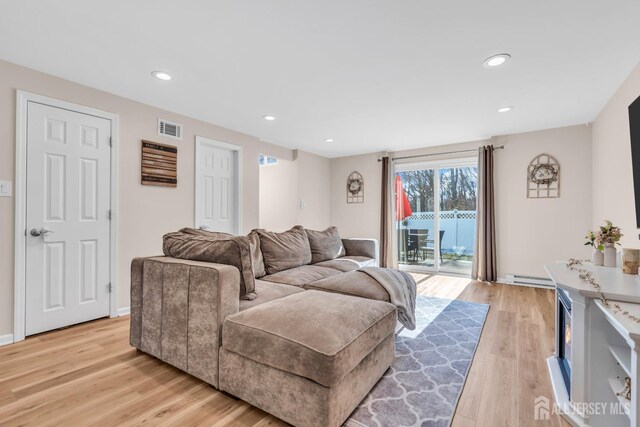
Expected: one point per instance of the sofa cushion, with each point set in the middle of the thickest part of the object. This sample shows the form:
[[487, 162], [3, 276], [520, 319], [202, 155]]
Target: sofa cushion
[[348, 263], [257, 261], [325, 244], [302, 275], [355, 283], [218, 248], [268, 291], [316, 335], [282, 251]]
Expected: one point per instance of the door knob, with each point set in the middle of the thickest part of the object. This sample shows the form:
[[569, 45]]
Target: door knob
[[40, 231]]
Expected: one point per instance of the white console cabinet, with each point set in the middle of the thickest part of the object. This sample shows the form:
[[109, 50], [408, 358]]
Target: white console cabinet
[[604, 348]]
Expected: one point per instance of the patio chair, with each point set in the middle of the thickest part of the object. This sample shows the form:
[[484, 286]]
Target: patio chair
[[428, 249], [417, 238]]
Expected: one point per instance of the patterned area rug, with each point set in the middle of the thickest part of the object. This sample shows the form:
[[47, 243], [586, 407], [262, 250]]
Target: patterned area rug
[[424, 384]]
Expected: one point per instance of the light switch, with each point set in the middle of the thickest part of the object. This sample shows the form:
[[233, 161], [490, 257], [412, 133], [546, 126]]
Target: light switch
[[5, 188]]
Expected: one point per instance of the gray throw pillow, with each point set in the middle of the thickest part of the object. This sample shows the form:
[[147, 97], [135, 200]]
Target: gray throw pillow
[[257, 261], [282, 251], [325, 245], [220, 248], [205, 233]]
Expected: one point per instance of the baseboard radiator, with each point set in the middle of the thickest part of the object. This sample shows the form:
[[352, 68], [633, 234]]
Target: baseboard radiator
[[519, 279]]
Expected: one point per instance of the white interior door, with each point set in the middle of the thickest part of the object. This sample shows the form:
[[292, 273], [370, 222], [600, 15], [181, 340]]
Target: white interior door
[[217, 187], [67, 218]]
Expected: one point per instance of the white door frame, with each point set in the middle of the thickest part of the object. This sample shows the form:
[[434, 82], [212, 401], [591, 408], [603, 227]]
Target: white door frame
[[19, 301], [237, 149]]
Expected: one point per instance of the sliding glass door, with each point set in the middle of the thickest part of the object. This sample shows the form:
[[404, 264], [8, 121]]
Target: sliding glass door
[[415, 217], [435, 215]]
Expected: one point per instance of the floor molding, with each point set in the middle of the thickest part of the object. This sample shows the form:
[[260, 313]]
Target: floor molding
[[504, 281], [124, 311], [6, 339]]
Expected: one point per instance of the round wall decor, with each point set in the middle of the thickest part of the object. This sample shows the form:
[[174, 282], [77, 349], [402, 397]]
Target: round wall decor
[[543, 174]]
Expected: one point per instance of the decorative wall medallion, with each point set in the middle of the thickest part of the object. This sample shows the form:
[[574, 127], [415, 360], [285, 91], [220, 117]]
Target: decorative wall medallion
[[543, 177], [355, 188]]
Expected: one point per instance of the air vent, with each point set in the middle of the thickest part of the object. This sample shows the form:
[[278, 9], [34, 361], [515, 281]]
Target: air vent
[[170, 129]]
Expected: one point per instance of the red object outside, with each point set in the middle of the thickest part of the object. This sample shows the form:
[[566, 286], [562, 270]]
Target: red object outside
[[403, 209]]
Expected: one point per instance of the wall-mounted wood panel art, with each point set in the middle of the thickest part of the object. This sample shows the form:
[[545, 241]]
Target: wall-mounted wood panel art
[[159, 164]]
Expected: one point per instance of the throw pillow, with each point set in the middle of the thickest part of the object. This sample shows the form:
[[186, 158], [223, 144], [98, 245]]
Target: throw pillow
[[282, 251], [205, 233], [218, 248], [325, 245]]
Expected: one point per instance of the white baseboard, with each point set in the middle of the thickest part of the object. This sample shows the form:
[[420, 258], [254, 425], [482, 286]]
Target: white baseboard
[[529, 281], [124, 311], [527, 285], [6, 339]]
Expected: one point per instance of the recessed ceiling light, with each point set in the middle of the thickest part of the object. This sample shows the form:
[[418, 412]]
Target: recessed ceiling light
[[161, 75], [505, 109], [328, 140], [269, 117], [496, 60]]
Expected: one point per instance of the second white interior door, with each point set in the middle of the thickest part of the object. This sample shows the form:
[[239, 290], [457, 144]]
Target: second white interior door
[[217, 186]]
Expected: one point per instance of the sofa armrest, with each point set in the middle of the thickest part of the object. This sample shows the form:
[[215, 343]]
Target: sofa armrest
[[178, 308], [362, 247]]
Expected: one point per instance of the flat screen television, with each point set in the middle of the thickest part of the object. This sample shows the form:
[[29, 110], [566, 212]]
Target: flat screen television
[[634, 128]]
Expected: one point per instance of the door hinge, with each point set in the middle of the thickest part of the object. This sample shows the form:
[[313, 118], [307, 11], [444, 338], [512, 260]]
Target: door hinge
[[110, 141], [110, 287], [110, 214]]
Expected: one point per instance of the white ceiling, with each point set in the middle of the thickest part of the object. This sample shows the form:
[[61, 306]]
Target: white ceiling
[[373, 75]]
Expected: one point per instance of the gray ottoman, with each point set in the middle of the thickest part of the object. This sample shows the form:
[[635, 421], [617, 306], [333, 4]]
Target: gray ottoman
[[308, 358]]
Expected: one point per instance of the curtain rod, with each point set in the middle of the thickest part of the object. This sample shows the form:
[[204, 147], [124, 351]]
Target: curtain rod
[[500, 147]]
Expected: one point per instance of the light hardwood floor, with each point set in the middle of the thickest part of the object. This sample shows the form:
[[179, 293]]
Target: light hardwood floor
[[88, 375]]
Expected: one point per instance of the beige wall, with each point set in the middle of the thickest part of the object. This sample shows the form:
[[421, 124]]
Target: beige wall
[[356, 219], [279, 195], [530, 232], [314, 190], [295, 191], [613, 197], [145, 213]]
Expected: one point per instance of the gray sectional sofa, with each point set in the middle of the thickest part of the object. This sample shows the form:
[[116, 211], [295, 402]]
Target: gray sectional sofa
[[281, 320]]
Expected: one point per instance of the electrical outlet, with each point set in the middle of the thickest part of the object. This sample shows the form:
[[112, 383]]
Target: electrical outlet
[[5, 188]]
